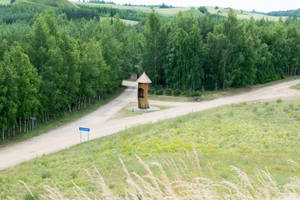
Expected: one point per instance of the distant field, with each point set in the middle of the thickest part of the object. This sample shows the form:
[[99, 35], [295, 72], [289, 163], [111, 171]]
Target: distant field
[[4, 2], [174, 11], [240, 13], [126, 21], [165, 11], [251, 137], [52, 3]]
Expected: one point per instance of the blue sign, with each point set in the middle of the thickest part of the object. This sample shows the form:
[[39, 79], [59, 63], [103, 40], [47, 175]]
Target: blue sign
[[84, 129]]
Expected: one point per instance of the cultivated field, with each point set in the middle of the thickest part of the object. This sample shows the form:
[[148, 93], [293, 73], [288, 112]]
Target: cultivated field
[[251, 137]]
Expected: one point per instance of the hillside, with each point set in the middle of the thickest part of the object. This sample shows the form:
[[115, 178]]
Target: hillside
[[250, 137], [241, 14], [51, 3], [173, 11], [4, 2]]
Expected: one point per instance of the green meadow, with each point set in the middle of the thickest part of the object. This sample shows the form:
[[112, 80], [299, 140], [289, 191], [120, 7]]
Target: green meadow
[[251, 137]]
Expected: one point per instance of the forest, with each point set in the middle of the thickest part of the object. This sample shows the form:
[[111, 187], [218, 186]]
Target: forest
[[57, 64], [292, 13], [58, 60]]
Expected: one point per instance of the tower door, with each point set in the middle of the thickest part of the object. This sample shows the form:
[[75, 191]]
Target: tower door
[[141, 93]]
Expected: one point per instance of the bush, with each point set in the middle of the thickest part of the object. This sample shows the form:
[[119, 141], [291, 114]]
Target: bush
[[195, 93], [203, 10], [176, 92], [168, 92], [159, 92], [151, 91], [279, 101], [46, 174], [186, 93]]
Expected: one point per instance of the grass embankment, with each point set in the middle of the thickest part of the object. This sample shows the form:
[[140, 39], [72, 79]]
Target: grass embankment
[[128, 110], [296, 86], [68, 117], [248, 136]]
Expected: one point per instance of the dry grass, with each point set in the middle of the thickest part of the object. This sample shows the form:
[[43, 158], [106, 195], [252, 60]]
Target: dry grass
[[155, 183]]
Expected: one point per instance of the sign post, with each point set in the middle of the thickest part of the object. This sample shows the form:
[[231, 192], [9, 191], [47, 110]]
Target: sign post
[[87, 130], [33, 119]]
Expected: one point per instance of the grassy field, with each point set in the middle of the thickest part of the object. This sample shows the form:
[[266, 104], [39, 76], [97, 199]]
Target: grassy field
[[125, 21], [240, 13], [296, 86], [249, 136], [167, 12], [173, 11], [68, 117]]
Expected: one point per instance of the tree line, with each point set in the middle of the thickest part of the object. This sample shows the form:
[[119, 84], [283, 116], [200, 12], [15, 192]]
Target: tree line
[[59, 66], [210, 52], [25, 13], [289, 13]]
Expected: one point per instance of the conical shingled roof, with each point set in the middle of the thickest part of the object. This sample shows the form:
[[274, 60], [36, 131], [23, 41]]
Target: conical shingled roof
[[144, 79]]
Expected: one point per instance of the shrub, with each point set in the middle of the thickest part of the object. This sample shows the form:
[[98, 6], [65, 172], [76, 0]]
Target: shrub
[[195, 93], [176, 92], [46, 174], [159, 92], [186, 93], [203, 10], [168, 91], [151, 91], [279, 101]]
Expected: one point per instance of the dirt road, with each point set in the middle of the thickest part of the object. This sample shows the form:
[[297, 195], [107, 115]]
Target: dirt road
[[101, 123]]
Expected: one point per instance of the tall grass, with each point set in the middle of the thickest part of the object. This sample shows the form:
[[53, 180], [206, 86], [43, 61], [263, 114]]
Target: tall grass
[[156, 183]]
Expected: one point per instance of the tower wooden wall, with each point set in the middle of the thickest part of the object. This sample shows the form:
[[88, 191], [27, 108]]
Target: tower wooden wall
[[143, 95]]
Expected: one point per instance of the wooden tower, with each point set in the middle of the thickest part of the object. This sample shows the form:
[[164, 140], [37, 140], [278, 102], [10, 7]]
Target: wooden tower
[[143, 86]]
